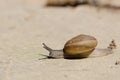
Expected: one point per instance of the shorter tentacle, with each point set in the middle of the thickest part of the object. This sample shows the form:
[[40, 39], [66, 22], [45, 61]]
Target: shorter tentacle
[[46, 57]]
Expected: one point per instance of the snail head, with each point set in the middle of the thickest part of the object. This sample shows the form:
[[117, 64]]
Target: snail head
[[50, 52]]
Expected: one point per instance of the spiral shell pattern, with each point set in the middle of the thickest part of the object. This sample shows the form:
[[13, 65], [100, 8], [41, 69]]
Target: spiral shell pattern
[[80, 46]]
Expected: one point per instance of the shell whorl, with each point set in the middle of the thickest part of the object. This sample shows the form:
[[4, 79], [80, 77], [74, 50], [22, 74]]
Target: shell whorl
[[80, 46]]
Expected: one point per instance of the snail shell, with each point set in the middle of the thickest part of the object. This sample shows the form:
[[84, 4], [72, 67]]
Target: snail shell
[[80, 46]]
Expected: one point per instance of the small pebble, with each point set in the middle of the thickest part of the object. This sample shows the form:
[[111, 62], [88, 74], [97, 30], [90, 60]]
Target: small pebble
[[117, 63]]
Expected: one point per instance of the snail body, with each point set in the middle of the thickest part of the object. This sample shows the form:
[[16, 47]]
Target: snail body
[[81, 46]]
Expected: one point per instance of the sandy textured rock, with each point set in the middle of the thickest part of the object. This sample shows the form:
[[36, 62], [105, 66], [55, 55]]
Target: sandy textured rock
[[26, 24]]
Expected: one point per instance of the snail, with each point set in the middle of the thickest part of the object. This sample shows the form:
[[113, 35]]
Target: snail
[[81, 46], [101, 3]]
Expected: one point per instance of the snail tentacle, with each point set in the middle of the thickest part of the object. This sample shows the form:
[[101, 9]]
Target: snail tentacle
[[46, 57], [46, 47]]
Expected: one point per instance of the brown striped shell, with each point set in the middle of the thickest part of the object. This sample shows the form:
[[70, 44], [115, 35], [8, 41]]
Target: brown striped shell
[[80, 46]]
